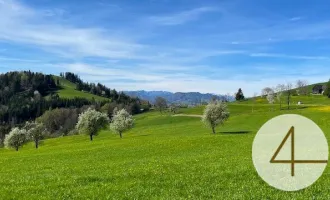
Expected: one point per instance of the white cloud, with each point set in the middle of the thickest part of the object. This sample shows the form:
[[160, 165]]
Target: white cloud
[[182, 17]]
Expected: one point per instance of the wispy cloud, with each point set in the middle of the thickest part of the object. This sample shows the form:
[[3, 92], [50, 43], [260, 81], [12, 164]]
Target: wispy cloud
[[182, 17], [81, 41], [273, 55], [54, 12], [295, 18], [18, 59]]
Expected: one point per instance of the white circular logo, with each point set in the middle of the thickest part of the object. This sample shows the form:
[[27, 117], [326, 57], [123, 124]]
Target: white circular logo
[[290, 152]]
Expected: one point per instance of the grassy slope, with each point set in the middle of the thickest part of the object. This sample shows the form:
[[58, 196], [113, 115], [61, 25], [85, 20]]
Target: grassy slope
[[163, 157], [69, 91]]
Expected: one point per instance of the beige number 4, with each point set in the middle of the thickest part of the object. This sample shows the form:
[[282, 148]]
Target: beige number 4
[[292, 161]]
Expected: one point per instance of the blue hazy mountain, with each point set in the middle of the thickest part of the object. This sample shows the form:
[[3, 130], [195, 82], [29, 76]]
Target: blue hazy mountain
[[177, 97]]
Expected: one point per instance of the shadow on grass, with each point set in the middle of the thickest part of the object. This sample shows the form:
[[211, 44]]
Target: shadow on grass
[[235, 132]]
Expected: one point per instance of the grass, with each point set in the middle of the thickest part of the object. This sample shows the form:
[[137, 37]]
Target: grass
[[162, 157], [69, 91]]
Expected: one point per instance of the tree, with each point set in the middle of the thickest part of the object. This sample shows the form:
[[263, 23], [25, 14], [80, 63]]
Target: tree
[[91, 122], [160, 104], [280, 88], [254, 99], [215, 113], [108, 108], [121, 122], [239, 95], [173, 108], [302, 87], [16, 138], [60, 121], [327, 89], [270, 98], [288, 88], [35, 132], [266, 91]]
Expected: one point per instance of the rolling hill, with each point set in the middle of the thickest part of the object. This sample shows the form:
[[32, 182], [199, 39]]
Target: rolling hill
[[163, 157]]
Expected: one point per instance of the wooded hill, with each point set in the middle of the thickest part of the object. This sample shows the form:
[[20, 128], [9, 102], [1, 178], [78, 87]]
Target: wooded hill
[[27, 95]]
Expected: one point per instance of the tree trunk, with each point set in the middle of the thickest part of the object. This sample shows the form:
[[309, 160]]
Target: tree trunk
[[37, 144], [16, 148], [121, 135], [213, 130], [91, 136]]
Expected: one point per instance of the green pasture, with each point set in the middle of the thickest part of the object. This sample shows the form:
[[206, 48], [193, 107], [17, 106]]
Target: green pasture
[[162, 157]]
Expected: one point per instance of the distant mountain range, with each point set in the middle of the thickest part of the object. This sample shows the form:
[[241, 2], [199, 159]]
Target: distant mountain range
[[178, 97]]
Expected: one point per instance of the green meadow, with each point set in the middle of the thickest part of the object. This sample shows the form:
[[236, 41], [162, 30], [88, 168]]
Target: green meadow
[[162, 157], [68, 91]]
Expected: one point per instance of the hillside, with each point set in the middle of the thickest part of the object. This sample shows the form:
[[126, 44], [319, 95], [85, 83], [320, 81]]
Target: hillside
[[26, 96], [162, 157], [178, 97], [68, 90]]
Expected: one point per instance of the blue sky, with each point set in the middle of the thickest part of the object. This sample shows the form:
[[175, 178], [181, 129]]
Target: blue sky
[[173, 45]]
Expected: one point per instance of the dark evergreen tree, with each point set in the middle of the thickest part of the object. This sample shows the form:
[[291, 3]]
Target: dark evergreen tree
[[239, 95]]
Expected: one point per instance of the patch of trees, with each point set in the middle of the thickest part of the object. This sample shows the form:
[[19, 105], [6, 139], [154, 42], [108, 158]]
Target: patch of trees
[[30, 132], [61, 121], [283, 92], [90, 122], [74, 78], [13, 83]]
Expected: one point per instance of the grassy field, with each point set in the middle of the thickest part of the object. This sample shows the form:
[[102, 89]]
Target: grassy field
[[69, 91], [162, 157]]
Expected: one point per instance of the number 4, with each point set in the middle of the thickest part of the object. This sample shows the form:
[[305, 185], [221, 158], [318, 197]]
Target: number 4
[[292, 161]]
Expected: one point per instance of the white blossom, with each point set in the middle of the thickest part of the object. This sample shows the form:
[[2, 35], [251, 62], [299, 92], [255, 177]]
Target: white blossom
[[91, 122], [215, 113], [121, 122], [16, 138]]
